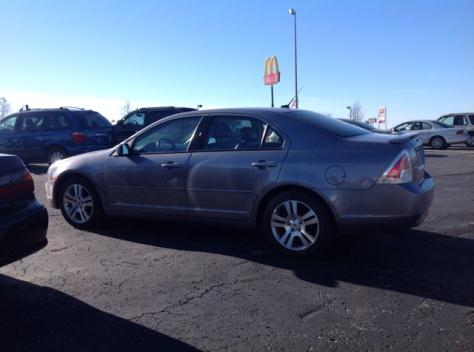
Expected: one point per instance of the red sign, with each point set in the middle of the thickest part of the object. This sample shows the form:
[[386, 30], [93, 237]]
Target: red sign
[[272, 73]]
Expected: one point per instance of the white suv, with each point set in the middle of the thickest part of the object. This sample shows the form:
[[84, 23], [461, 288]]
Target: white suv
[[463, 120]]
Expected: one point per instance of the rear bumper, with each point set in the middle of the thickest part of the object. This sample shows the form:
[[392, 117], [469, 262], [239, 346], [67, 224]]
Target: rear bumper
[[384, 206], [23, 232]]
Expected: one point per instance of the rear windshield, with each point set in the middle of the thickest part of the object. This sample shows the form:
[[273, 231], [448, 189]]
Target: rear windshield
[[332, 125], [91, 120]]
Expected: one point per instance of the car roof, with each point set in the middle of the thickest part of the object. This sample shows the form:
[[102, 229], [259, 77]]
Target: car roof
[[163, 108], [251, 111]]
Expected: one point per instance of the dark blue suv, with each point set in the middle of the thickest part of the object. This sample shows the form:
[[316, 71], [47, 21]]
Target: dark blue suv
[[38, 135]]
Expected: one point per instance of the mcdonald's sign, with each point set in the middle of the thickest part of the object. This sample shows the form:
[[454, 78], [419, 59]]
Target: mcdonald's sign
[[272, 73]]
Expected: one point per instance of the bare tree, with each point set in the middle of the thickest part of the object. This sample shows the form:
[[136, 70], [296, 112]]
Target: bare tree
[[126, 107], [4, 107], [356, 112]]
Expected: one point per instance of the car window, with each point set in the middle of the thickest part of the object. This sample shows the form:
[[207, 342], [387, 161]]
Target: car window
[[403, 127], [471, 117], [32, 122], [8, 124], [427, 126], [172, 136], [91, 120], [460, 120], [440, 124], [234, 132], [417, 126], [56, 121], [136, 119], [329, 124], [448, 120], [272, 139]]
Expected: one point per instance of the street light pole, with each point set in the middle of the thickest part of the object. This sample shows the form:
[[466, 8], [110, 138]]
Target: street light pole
[[350, 111], [292, 11]]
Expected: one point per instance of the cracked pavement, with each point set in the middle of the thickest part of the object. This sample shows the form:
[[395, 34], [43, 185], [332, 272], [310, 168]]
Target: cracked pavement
[[155, 286]]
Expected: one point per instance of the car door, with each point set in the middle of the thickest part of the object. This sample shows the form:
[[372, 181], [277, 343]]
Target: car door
[[236, 158], [30, 128], [151, 179], [424, 130], [9, 141], [403, 128]]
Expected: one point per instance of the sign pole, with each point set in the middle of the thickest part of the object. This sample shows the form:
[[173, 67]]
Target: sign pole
[[271, 88]]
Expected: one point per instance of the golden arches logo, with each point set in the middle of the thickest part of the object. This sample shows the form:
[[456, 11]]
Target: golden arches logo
[[272, 73]]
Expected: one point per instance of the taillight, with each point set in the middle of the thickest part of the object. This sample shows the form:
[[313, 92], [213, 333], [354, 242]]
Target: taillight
[[400, 171], [458, 132], [21, 186], [78, 137]]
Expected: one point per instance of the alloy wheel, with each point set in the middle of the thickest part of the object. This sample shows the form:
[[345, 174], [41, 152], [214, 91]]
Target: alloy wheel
[[78, 203], [55, 156], [295, 225]]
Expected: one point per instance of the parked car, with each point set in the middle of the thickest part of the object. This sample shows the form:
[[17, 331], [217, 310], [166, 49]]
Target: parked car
[[138, 119], [435, 134], [461, 120], [365, 126], [23, 221], [299, 176], [38, 135]]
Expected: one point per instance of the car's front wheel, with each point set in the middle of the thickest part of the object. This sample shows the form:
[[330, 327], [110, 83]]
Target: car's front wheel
[[298, 224], [80, 204], [470, 141]]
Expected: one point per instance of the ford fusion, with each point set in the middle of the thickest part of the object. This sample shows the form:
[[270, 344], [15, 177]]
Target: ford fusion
[[299, 176]]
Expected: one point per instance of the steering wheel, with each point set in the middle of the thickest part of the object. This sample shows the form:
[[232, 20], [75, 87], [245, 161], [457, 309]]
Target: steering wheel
[[169, 141]]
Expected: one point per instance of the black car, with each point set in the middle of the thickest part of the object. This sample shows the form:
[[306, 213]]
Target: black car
[[136, 120], [52, 134], [365, 126], [23, 220]]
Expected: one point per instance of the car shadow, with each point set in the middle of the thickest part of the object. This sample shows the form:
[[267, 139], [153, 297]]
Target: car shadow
[[38, 169], [435, 155], [415, 262], [36, 318]]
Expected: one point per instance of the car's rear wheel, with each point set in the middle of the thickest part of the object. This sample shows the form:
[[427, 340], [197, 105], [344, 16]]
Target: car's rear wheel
[[438, 143], [470, 141], [296, 223], [55, 154], [80, 204]]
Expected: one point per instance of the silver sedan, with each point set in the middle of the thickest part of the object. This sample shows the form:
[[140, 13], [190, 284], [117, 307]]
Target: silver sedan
[[299, 176], [435, 134]]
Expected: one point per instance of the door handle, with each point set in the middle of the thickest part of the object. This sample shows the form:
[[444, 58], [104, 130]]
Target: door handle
[[264, 164], [171, 165]]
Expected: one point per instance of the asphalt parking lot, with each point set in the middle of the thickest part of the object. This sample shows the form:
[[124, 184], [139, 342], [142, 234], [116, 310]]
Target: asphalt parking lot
[[133, 286]]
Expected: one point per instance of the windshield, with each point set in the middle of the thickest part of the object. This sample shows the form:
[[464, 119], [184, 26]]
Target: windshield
[[92, 120], [329, 124]]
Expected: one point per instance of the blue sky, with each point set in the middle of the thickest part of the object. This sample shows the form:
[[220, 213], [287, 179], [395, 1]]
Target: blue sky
[[414, 56]]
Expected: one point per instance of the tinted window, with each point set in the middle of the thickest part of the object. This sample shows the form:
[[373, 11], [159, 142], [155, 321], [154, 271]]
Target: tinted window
[[329, 124], [460, 120], [471, 117], [440, 124], [172, 136], [91, 120], [232, 133], [32, 122], [8, 124], [56, 121], [136, 119]]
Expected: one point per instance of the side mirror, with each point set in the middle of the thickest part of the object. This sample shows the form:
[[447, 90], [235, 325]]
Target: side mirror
[[119, 123], [123, 150]]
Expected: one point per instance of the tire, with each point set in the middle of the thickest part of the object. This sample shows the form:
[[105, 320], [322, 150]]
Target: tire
[[288, 236], [55, 154], [438, 143], [80, 203], [470, 141]]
